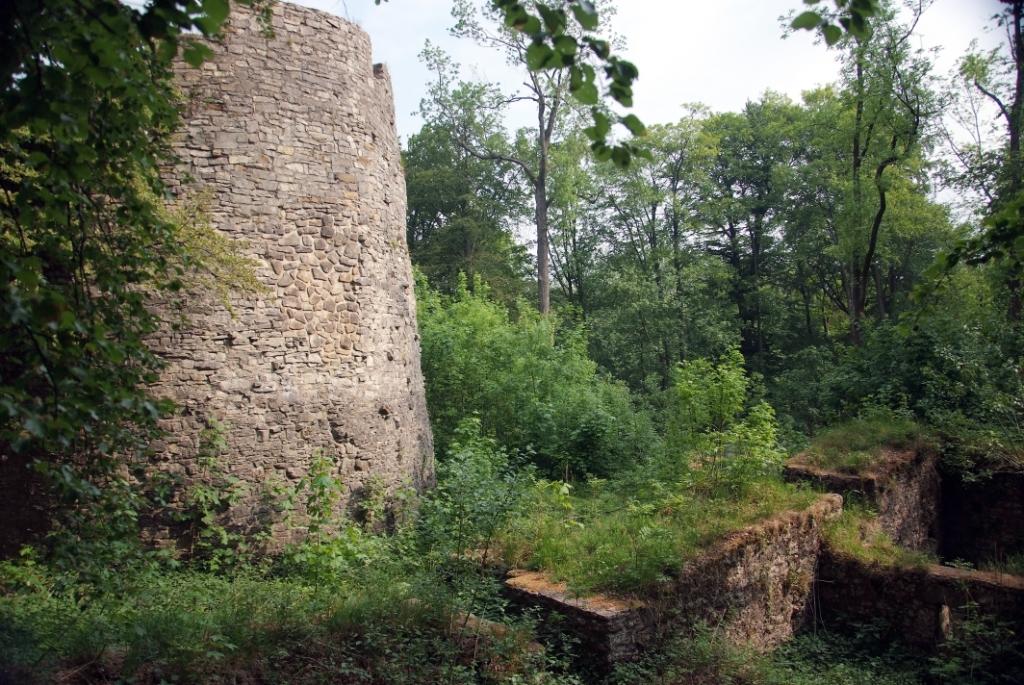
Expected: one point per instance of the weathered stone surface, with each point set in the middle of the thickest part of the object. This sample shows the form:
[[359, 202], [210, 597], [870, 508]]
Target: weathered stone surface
[[294, 136], [756, 585], [919, 605], [609, 629], [982, 519], [902, 486]]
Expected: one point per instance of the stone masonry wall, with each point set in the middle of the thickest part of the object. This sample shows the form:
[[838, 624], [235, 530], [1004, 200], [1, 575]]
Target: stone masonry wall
[[983, 519], [755, 586], [294, 136], [921, 606], [903, 487]]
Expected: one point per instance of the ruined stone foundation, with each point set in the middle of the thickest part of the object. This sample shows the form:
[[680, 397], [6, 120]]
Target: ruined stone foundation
[[293, 137]]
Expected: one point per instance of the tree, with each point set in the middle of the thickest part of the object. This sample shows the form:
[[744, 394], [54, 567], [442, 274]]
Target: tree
[[998, 76], [461, 215], [576, 232], [748, 194], [888, 104], [562, 37], [87, 109], [546, 88]]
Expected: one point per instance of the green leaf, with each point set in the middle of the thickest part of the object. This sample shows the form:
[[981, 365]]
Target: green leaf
[[622, 94], [554, 20], [537, 55], [831, 33], [601, 48], [167, 49], [566, 45], [586, 93], [602, 152], [585, 14], [516, 16], [806, 20], [858, 25], [601, 122], [620, 155], [216, 12], [531, 26], [633, 123], [195, 53]]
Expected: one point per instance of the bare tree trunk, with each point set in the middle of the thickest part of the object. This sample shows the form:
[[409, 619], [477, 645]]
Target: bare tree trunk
[[543, 248]]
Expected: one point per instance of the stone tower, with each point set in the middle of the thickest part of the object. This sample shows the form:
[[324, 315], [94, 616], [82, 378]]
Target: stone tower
[[293, 135]]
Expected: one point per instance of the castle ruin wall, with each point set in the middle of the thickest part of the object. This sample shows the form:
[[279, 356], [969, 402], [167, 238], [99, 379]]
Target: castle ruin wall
[[293, 137]]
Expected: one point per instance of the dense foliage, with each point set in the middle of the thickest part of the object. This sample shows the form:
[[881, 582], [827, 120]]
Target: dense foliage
[[736, 284], [87, 238], [805, 233], [529, 381]]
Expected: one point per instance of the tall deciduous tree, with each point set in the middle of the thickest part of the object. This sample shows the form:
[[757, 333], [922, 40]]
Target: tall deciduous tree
[[997, 171], [545, 90], [755, 150], [462, 213], [890, 103]]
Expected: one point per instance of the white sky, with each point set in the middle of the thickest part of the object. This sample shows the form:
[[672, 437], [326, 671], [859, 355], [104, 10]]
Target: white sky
[[719, 52]]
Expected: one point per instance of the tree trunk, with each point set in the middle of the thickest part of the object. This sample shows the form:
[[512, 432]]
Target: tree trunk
[[543, 249]]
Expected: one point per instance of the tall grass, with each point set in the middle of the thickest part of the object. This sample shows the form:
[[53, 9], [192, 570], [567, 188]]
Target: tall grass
[[603, 541], [856, 445]]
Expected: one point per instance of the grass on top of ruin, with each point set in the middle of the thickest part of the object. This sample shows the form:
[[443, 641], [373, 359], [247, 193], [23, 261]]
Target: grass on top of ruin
[[855, 446], [628, 538], [857, 533]]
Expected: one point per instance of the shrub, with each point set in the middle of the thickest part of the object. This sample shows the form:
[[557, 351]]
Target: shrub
[[529, 381], [711, 426]]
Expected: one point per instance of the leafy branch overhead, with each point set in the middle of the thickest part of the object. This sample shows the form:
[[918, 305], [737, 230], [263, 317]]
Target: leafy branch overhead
[[849, 16], [86, 236], [552, 46]]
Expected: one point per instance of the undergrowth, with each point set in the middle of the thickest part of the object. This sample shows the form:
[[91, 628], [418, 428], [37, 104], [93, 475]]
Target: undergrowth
[[857, 533], [1012, 564], [854, 446], [705, 657], [602, 539], [346, 604], [396, 626]]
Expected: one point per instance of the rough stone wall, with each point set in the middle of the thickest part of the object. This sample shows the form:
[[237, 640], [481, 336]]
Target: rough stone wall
[[983, 520], [903, 487], [919, 605], [608, 630], [294, 136], [755, 586], [758, 582]]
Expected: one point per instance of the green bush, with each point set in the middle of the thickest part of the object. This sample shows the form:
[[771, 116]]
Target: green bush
[[982, 650], [529, 381], [704, 656], [344, 604], [175, 626], [713, 427]]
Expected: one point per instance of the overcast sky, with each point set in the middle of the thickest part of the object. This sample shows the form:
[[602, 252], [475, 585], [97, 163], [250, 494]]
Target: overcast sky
[[719, 52]]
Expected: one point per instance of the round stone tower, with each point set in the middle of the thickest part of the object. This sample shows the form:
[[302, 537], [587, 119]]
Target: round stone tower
[[293, 137]]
